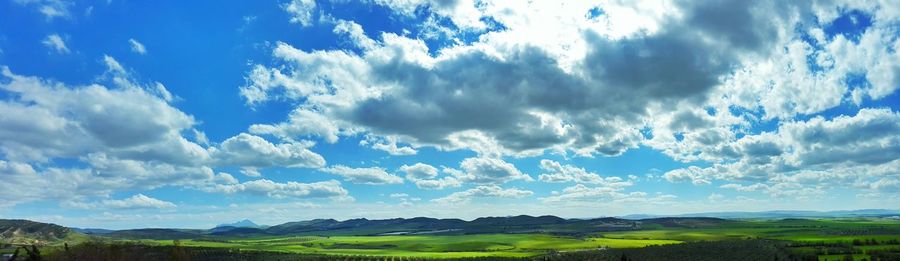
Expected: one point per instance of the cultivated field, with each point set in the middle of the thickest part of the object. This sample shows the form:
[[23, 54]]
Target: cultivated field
[[453, 246], [518, 237], [826, 238]]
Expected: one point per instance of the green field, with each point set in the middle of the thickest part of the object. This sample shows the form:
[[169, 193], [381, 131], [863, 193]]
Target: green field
[[831, 239], [850, 233], [811, 231], [503, 245]]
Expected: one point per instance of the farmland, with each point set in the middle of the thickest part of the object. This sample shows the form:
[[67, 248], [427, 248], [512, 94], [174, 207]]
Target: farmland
[[518, 237], [502, 245], [826, 238]]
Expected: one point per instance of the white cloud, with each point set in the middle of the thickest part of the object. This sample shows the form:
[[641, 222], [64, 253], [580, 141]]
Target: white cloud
[[137, 201], [23, 183], [55, 43], [809, 157], [490, 171], [128, 137], [557, 172], [137, 47], [164, 93], [419, 171], [126, 122], [426, 176], [248, 150], [490, 191], [114, 67], [891, 184], [370, 176], [464, 13], [694, 174], [399, 195], [200, 137], [301, 11], [395, 87], [301, 123], [250, 172], [325, 189], [387, 144], [605, 194], [225, 178], [438, 184], [356, 34], [49, 8]]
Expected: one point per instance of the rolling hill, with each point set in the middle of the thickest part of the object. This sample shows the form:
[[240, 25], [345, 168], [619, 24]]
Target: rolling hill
[[424, 225], [18, 231]]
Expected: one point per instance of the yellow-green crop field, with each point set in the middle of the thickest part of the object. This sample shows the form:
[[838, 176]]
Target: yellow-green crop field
[[808, 233], [504, 245]]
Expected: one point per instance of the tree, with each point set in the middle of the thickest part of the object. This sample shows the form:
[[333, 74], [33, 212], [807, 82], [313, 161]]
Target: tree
[[178, 252]]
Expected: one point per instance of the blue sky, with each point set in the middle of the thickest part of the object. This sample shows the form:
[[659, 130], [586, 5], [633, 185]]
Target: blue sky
[[122, 114]]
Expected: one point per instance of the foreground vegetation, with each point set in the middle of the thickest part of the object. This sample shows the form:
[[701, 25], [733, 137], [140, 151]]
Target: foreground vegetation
[[748, 249]]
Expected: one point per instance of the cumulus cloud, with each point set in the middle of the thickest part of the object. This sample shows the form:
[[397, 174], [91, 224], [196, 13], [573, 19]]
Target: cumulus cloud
[[55, 43], [22, 183], [125, 137], [490, 191], [426, 176], [137, 201], [694, 174], [370, 176], [325, 189], [127, 122], [602, 86], [387, 144], [301, 123], [248, 150], [489, 171], [137, 47], [557, 172], [814, 73], [809, 156], [419, 171]]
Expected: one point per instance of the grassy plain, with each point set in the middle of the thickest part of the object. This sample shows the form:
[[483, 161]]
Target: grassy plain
[[503, 245], [813, 232]]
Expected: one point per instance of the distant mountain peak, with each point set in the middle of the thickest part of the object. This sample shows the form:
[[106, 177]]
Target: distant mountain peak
[[242, 223]]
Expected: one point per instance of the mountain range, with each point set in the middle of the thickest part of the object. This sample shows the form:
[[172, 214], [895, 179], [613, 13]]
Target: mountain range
[[24, 231]]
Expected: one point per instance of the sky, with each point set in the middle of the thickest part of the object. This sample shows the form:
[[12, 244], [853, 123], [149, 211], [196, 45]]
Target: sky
[[125, 114]]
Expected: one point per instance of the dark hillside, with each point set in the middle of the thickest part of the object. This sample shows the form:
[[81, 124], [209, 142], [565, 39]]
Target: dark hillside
[[157, 233], [17, 231]]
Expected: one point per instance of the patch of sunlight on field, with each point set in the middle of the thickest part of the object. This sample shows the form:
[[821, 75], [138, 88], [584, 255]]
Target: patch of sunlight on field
[[681, 235], [631, 243], [834, 238], [856, 257], [692, 234]]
